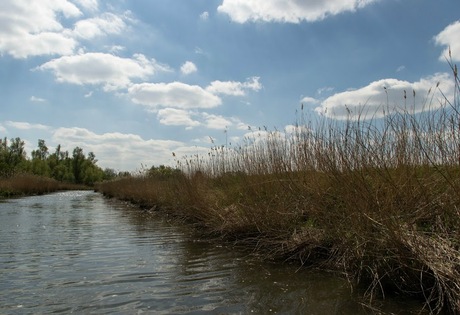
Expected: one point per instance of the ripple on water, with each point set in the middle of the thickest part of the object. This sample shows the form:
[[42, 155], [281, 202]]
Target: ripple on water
[[77, 252]]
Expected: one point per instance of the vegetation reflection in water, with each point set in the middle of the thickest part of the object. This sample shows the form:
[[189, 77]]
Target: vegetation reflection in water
[[78, 252]]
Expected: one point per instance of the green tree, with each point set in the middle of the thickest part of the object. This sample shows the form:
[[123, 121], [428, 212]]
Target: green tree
[[78, 159], [40, 164], [13, 157], [163, 172]]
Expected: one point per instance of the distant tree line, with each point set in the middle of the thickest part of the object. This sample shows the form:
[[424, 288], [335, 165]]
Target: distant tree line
[[75, 168]]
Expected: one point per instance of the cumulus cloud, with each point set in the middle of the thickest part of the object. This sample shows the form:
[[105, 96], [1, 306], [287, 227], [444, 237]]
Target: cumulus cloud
[[233, 87], [216, 121], [387, 95], [309, 100], [25, 125], [33, 28], [106, 24], [449, 38], [130, 150], [176, 117], [173, 95], [291, 11], [91, 5], [188, 67], [111, 71], [30, 28]]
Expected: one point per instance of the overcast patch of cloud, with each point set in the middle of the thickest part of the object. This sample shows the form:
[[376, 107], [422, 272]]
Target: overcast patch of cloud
[[386, 96], [291, 11], [172, 95], [233, 87], [188, 67], [111, 71], [449, 37]]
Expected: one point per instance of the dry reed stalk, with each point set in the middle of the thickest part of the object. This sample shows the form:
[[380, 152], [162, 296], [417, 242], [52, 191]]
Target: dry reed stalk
[[377, 199]]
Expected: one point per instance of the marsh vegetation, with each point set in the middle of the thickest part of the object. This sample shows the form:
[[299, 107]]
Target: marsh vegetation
[[377, 200]]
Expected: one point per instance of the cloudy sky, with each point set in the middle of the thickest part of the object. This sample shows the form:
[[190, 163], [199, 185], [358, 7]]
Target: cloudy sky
[[134, 81]]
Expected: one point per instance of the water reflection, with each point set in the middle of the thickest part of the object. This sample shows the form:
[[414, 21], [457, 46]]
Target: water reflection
[[78, 252]]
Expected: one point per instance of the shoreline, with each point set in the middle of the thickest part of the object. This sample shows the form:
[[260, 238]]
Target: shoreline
[[29, 185], [368, 248]]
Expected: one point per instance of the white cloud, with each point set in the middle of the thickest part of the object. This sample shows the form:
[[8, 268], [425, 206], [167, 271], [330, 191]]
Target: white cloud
[[106, 24], [233, 87], [102, 69], [450, 37], [216, 121], [176, 117], [309, 100], [188, 67], [115, 48], [30, 28], [387, 95], [199, 51], [131, 150], [37, 99], [292, 11], [204, 16], [91, 5], [400, 68], [25, 125], [174, 95], [325, 89]]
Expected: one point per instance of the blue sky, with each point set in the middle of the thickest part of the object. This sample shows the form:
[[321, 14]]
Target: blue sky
[[134, 81]]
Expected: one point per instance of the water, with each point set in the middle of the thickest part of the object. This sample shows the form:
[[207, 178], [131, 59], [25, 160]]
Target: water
[[77, 252]]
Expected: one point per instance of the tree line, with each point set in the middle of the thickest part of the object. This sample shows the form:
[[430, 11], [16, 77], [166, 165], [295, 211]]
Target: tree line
[[61, 165]]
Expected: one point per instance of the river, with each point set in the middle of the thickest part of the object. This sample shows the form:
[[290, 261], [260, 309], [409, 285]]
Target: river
[[78, 252]]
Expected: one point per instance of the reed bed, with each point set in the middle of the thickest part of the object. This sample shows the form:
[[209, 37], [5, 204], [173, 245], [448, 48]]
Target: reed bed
[[26, 184], [378, 200]]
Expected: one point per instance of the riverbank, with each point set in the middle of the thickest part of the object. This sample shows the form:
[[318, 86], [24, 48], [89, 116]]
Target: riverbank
[[377, 200], [25, 184], [392, 239]]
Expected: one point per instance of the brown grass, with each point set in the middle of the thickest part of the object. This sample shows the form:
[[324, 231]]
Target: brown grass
[[377, 200], [26, 184]]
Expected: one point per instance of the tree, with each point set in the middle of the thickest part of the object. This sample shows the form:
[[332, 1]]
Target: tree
[[40, 165], [77, 164], [13, 158], [163, 172]]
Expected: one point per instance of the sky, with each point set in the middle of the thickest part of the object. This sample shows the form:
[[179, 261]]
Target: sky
[[135, 81]]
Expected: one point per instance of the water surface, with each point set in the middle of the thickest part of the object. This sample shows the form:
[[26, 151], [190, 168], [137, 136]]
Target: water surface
[[77, 252]]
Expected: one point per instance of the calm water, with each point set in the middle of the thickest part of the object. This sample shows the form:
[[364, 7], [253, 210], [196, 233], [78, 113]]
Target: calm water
[[77, 252]]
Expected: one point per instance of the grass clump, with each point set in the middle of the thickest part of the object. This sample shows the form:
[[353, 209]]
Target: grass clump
[[27, 184], [378, 200]]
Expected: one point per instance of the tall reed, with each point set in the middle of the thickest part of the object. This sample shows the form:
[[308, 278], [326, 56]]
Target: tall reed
[[377, 199], [27, 184]]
